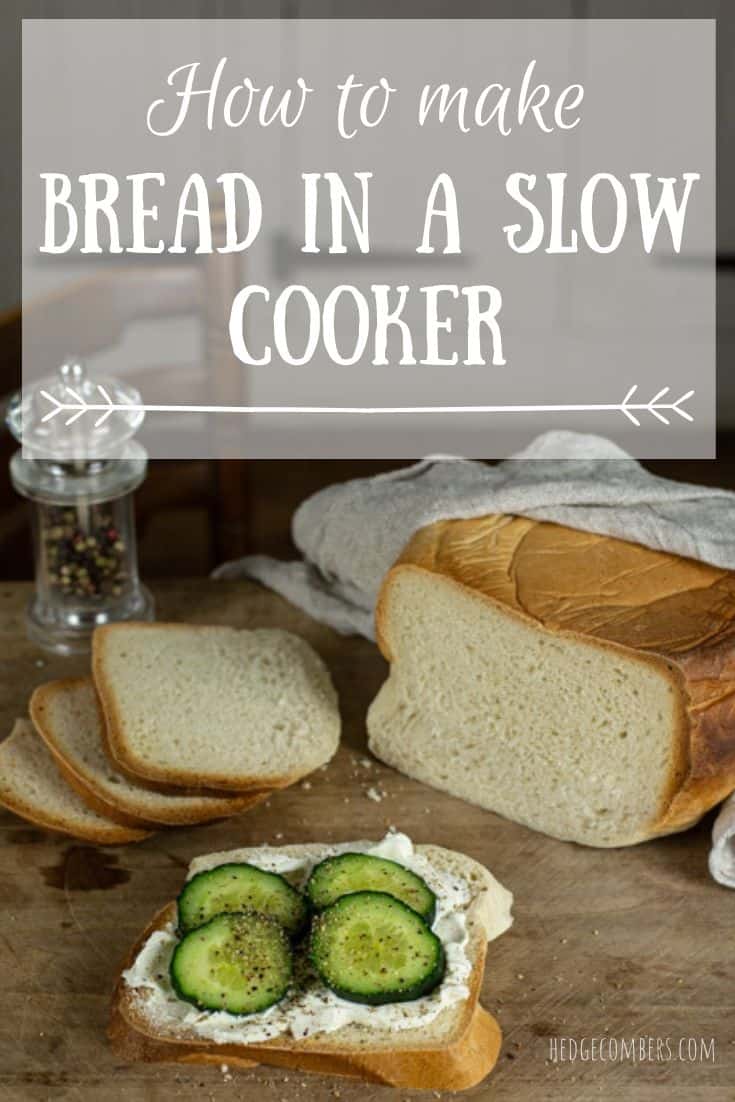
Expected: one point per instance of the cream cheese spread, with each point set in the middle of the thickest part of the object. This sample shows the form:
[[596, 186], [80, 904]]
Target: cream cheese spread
[[315, 1009]]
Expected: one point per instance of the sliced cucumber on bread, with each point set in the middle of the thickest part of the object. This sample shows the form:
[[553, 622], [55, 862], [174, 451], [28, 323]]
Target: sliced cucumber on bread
[[370, 940], [358, 872], [240, 887], [240, 963], [369, 947]]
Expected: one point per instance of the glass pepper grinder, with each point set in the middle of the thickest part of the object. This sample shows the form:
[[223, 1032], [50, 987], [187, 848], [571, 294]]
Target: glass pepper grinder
[[86, 563]]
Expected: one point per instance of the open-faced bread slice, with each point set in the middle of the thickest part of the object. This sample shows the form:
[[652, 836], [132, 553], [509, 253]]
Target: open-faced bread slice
[[456, 1066], [213, 708], [32, 787], [454, 1049], [67, 715]]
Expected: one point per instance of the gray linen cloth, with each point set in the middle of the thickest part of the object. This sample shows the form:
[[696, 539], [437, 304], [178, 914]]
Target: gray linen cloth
[[349, 534]]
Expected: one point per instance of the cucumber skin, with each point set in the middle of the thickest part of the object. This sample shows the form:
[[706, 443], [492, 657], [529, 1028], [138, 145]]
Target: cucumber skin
[[295, 934], [187, 997], [409, 994], [428, 915]]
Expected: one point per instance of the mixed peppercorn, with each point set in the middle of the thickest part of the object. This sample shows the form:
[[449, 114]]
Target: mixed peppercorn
[[85, 556]]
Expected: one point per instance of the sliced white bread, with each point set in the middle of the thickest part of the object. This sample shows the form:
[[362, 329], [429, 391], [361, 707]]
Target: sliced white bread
[[68, 717], [453, 1051], [32, 787], [576, 683], [213, 707]]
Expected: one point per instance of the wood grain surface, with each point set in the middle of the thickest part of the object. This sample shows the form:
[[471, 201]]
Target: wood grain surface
[[624, 944]]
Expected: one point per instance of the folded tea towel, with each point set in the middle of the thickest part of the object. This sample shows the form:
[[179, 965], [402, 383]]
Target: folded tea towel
[[722, 854], [350, 533]]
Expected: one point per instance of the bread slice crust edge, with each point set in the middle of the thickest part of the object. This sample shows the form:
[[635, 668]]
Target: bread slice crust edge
[[116, 834]]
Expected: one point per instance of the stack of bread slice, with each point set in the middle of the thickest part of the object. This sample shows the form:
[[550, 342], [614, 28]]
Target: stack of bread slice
[[177, 725]]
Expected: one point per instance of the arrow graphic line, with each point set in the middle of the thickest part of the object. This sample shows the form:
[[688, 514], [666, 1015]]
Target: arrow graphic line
[[78, 406]]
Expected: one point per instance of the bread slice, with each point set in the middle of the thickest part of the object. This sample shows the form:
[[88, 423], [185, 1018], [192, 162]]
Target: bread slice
[[213, 707], [455, 1050], [457, 1066], [32, 787], [576, 683], [67, 715]]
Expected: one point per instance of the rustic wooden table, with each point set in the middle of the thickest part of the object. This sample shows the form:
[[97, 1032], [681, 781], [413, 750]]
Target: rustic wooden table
[[629, 944]]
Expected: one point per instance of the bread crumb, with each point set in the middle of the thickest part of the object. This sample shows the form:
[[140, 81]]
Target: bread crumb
[[520, 976], [306, 785], [375, 795], [366, 763]]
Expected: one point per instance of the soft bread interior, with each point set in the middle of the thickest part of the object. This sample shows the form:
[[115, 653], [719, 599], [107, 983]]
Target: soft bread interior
[[577, 739], [214, 706]]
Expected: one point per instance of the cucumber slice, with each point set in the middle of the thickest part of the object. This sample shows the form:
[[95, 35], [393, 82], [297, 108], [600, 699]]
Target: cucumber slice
[[369, 947], [229, 888], [358, 872], [240, 963]]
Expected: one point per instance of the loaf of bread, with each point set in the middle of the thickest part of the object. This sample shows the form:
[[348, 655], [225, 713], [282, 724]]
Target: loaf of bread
[[578, 684]]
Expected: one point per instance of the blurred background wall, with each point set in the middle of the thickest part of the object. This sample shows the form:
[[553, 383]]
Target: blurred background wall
[[193, 514]]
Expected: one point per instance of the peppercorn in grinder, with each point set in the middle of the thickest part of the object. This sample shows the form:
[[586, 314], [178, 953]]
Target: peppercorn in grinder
[[86, 564]]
